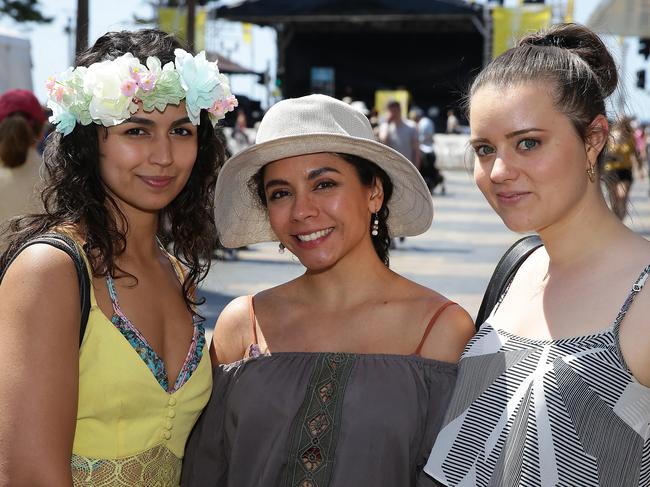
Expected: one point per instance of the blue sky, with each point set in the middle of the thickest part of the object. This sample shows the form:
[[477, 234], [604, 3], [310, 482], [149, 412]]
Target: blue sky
[[51, 46]]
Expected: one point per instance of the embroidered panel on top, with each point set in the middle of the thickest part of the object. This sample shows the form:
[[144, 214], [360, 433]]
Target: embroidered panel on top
[[315, 430], [148, 354], [157, 466]]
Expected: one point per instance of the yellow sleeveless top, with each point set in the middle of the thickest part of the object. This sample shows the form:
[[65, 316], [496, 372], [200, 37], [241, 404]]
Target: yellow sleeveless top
[[129, 430]]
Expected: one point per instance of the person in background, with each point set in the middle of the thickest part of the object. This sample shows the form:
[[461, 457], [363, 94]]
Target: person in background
[[453, 125], [399, 134], [646, 141], [426, 131], [639, 140], [425, 126], [340, 377], [239, 136], [130, 182], [21, 124], [554, 389], [619, 164]]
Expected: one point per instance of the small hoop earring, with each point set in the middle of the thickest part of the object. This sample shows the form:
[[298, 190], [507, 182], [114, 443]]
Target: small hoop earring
[[591, 173], [374, 229], [281, 248]]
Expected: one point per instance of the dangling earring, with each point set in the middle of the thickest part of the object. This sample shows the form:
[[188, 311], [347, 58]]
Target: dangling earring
[[591, 173], [374, 229], [281, 248]]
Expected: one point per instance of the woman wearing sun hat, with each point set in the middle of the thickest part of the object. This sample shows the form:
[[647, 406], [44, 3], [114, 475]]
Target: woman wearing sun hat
[[341, 376], [108, 396], [21, 124]]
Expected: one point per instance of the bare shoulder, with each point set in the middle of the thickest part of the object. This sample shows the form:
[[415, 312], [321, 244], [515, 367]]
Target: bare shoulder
[[277, 298], [450, 333], [635, 332], [452, 328], [36, 269], [232, 332], [41, 287]]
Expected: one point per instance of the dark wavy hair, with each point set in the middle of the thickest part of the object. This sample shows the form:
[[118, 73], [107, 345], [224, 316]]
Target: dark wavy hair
[[75, 196], [368, 173]]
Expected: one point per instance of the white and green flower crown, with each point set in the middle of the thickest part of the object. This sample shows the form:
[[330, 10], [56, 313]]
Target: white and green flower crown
[[109, 92]]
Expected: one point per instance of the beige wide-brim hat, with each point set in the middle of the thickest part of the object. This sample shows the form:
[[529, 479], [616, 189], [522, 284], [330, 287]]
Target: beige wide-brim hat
[[309, 125]]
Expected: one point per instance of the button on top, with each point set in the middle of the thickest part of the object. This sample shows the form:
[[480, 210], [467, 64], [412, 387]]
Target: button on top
[[172, 401]]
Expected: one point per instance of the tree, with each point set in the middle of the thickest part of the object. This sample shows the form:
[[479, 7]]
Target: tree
[[24, 11]]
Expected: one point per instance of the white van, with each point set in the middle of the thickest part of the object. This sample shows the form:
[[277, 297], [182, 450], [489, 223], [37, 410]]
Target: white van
[[15, 56]]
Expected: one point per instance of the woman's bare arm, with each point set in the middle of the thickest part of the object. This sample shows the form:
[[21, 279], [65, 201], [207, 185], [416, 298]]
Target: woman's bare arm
[[233, 332], [449, 335], [39, 360]]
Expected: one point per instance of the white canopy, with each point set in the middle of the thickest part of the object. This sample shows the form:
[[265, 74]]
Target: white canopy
[[622, 18], [15, 57]]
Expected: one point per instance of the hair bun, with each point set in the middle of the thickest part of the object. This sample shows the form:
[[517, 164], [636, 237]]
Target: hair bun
[[585, 44]]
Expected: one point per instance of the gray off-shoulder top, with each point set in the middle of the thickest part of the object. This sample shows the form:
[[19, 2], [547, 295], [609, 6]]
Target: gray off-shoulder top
[[320, 419]]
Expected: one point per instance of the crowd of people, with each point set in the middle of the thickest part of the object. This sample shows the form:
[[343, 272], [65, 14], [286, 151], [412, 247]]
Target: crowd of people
[[350, 374]]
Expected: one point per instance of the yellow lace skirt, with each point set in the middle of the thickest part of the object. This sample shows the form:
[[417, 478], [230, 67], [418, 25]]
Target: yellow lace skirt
[[157, 467]]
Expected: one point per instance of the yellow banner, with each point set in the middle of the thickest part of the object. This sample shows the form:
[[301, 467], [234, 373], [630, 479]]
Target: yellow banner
[[568, 14], [510, 24], [382, 97], [247, 32], [174, 21]]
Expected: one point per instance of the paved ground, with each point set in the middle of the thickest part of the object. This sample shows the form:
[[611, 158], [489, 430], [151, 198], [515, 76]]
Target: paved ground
[[455, 257]]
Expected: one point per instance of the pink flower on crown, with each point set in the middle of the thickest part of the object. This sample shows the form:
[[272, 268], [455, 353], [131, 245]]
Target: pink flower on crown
[[58, 93], [50, 83], [231, 103], [218, 108], [222, 106], [147, 81], [129, 87], [134, 71]]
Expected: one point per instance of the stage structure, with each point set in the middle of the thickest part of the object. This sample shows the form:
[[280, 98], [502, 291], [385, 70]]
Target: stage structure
[[432, 48]]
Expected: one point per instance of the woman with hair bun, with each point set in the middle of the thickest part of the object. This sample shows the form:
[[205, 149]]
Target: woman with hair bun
[[554, 388], [98, 390], [21, 124], [341, 376]]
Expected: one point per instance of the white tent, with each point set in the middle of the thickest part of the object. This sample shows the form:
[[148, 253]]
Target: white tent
[[622, 18], [16, 61]]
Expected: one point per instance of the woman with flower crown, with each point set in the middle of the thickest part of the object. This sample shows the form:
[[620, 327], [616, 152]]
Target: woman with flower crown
[[130, 173]]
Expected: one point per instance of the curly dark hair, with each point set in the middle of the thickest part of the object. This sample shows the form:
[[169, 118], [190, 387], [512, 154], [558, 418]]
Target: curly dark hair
[[368, 173], [75, 196]]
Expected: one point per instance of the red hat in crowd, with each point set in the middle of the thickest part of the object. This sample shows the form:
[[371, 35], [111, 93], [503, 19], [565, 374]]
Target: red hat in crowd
[[22, 101]]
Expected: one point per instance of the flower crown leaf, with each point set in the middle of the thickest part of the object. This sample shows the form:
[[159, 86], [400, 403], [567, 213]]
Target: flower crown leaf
[[109, 92], [167, 88]]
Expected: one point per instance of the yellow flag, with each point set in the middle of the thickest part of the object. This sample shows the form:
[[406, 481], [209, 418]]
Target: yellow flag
[[568, 14], [174, 21], [247, 32], [382, 97], [510, 24]]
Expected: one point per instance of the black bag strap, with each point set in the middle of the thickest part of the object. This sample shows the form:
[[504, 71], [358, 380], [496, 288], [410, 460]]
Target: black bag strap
[[504, 272], [66, 244]]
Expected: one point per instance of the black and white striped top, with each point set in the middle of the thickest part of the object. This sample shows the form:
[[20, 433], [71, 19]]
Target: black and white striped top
[[545, 413]]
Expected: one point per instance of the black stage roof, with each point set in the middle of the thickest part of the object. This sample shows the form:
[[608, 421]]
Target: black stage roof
[[264, 12], [432, 48]]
